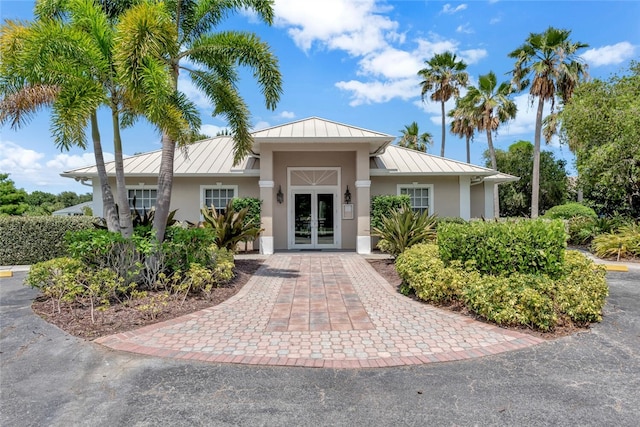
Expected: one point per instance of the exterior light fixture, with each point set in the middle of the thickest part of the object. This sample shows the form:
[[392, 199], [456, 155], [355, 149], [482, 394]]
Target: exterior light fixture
[[279, 195], [347, 196]]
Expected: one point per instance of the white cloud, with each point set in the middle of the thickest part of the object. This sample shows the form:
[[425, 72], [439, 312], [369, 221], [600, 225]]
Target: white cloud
[[450, 10], [391, 63], [186, 86], [465, 29], [472, 56], [379, 91], [261, 125], [495, 20], [610, 54], [211, 130], [353, 26], [287, 115], [32, 170]]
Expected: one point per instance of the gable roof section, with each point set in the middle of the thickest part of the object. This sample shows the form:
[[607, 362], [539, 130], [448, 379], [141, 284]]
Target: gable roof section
[[404, 161], [315, 129]]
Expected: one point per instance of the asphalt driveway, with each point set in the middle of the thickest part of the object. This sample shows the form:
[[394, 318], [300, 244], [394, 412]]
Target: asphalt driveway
[[50, 378]]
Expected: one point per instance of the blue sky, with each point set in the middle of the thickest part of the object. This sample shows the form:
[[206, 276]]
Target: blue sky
[[355, 61]]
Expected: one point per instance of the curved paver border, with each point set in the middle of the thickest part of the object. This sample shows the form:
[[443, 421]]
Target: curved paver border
[[404, 332]]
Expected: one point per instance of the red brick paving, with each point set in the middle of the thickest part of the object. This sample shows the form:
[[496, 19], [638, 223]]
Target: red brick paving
[[320, 310]]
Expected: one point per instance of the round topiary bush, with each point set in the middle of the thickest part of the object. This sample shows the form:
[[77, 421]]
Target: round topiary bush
[[570, 210]]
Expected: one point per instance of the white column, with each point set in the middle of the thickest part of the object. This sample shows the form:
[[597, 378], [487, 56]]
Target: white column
[[489, 188], [363, 243], [266, 195], [97, 206], [465, 197]]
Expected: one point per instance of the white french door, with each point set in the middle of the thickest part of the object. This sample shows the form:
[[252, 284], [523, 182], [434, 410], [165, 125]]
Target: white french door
[[314, 219]]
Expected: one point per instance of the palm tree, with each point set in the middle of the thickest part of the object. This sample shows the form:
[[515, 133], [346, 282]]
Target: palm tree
[[548, 64], [463, 124], [213, 59], [491, 106], [50, 63], [444, 75], [413, 139]]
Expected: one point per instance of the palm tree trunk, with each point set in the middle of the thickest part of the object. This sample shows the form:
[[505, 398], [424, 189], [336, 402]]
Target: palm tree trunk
[[468, 150], [535, 176], [126, 226], [494, 166], [443, 129], [165, 176], [108, 204]]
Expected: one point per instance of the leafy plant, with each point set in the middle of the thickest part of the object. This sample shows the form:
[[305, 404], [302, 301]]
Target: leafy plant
[[382, 206], [185, 246], [524, 246], [58, 279], [230, 227], [624, 243], [404, 228]]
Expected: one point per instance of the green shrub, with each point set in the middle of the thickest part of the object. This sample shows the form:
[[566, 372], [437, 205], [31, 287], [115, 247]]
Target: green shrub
[[186, 246], [525, 246], [254, 208], [404, 228], [231, 227], [624, 243], [382, 206], [424, 272], [570, 210], [57, 279], [583, 290], [29, 240]]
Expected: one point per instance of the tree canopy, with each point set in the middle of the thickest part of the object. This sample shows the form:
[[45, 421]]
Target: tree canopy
[[601, 125], [12, 199]]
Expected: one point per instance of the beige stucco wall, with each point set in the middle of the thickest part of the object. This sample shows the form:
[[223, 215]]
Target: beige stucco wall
[[446, 191], [283, 160], [477, 200]]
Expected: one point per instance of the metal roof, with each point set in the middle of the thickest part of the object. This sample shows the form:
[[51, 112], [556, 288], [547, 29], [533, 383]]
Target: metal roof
[[397, 160]]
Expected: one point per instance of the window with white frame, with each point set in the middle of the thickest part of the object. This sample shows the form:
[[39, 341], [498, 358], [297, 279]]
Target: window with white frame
[[145, 198], [218, 196], [420, 196]]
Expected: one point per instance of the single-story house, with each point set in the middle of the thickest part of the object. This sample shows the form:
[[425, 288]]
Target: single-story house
[[75, 210], [315, 178]]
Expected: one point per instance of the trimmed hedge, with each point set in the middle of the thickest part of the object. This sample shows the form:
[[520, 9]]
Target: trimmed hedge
[[570, 210], [382, 206], [28, 240], [527, 247], [534, 300]]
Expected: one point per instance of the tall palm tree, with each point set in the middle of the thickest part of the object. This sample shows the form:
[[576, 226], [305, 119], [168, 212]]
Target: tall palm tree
[[50, 63], [463, 124], [213, 59], [492, 106], [413, 139], [443, 75], [548, 64]]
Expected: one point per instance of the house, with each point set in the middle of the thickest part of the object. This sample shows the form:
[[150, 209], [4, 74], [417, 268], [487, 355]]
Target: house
[[315, 178], [75, 210]]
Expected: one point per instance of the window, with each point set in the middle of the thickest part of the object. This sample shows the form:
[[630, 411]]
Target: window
[[420, 196], [218, 197], [145, 198]]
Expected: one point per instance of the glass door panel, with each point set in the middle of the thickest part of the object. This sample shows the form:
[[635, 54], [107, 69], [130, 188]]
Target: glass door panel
[[302, 217], [325, 230]]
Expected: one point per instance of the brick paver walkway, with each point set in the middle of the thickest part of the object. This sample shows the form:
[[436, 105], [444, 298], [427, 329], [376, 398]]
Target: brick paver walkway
[[320, 310]]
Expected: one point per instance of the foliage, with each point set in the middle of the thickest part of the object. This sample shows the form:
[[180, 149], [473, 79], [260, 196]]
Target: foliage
[[404, 228], [601, 125], [253, 203], [57, 279], [421, 267], [231, 227], [583, 291], [623, 243], [515, 197], [413, 139], [549, 65], [525, 246], [12, 200], [444, 74], [583, 229], [185, 246], [28, 240], [382, 206], [570, 210], [534, 300]]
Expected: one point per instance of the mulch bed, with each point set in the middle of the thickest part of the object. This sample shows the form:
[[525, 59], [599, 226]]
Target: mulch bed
[[76, 319]]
